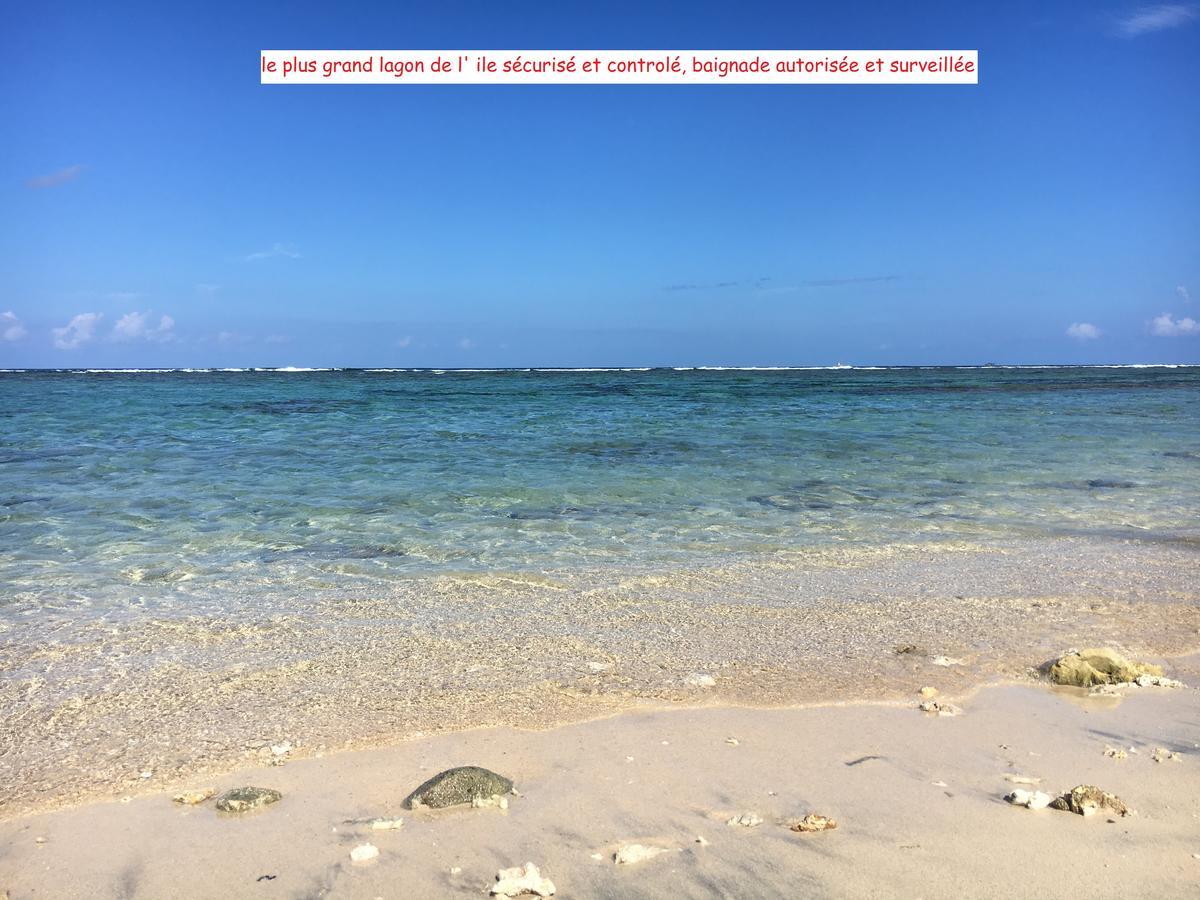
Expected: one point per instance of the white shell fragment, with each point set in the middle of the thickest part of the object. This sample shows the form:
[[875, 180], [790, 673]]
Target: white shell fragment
[[364, 853], [1029, 799], [745, 820], [526, 879], [628, 854], [386, 824]]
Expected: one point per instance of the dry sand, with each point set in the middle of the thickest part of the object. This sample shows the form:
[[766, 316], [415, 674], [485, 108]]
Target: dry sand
[[917, 798]]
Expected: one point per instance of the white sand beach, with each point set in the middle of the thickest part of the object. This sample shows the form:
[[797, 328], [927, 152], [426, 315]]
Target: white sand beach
[[918, 801]]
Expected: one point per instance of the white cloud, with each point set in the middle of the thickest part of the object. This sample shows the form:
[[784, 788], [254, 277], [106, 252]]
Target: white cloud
[[54, 179], [79, 331], [135, 326], [466, 344], [1083, 331], [1182, 291], [11, 328], [1168, 326], [1160, 17], [405, 341], [285, 250]]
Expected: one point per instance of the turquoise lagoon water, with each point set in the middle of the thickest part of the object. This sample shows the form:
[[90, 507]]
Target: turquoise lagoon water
[[164, 489]]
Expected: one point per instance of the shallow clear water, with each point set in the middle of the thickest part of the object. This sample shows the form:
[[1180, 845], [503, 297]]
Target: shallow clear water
[[132, 490]]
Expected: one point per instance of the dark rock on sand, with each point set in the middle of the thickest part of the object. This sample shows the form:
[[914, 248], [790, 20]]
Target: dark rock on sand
[[1098, 666], [244, 799], [465, 784], [1087, 800]]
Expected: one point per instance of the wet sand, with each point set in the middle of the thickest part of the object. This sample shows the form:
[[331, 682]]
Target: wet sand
[[134, 704], [917, 799]]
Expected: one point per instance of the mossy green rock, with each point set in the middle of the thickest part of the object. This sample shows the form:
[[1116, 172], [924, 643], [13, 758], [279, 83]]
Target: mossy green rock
[[1098, 666], [244, 799], [454, 787]]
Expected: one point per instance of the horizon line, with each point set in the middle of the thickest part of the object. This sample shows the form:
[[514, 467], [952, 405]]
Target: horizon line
[[550, 369]]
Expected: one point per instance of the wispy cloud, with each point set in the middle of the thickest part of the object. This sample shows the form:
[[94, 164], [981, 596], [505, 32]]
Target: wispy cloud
[[79, 331], [838, 282], [136, 326], [277, 250], [231, 337], [714, 286], [1083, 331], [54, 179], [467, 344], [1167, 325], [1182, 291], [1160, 17], [11, 328], [405, 341], [764, 284]]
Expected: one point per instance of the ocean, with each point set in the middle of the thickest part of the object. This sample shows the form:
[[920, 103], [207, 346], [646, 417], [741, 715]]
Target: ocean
[[195, 563], [122, 491]]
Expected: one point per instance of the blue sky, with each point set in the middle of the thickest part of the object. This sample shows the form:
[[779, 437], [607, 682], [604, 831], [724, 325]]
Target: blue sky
[[163, 208]]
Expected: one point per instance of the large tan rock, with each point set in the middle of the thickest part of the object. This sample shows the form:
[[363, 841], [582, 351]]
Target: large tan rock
[[1087, 800], [1098, 666]]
